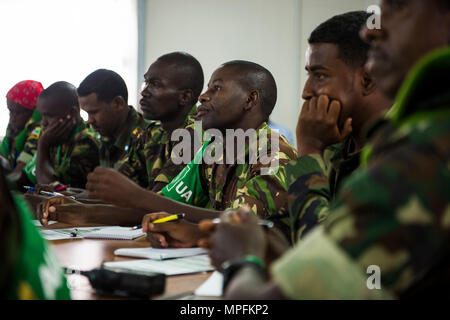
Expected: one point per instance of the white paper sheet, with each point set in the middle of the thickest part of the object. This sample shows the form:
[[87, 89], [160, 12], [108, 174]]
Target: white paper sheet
[[67, 233], [194, 264], [212, 287], [159, 254]]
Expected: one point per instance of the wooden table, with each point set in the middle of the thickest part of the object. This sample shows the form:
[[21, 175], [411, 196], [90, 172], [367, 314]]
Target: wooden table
[[87, 254]]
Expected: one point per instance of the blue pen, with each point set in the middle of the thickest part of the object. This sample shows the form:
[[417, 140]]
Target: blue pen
[[28, 188], [54, 194]]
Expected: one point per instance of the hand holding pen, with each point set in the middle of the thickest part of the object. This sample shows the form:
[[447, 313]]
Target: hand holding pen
[[169, 230]]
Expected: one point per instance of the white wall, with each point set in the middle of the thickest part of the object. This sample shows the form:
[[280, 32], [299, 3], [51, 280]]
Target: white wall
[[214, 31], [50, 41], [314, 12], [272, 33]]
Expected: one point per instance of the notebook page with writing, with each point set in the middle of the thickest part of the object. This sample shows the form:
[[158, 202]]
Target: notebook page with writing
[[115, 233], [159, 254]]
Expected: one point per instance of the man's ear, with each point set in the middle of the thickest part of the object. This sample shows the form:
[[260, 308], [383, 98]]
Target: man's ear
[[119, 102], [367, 82], [186, 97], [252, 100]]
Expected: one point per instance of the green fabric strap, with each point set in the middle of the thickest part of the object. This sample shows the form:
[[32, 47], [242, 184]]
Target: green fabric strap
[[58, 151], [4, 147], [186, 187]]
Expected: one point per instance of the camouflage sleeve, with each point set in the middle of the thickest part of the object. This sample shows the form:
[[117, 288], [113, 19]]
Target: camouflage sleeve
[[316, 269], [266, 194], [83, 159], [31, 145], [393, 217], [133, 165], [308, 192]]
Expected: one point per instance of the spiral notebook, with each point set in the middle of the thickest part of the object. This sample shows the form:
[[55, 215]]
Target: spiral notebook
[[118, 233]]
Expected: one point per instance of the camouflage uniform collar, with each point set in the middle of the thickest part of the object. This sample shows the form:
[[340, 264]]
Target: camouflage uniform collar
[[123, 140], [425, 89], [256, 142], [344, 150], [190, 118]]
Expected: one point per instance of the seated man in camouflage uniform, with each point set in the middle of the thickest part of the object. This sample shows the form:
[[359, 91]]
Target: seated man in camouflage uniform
[[388, 232], [67, 149], [241, 96], [103, 94], [172, 86], [20, 142], [340, 99]]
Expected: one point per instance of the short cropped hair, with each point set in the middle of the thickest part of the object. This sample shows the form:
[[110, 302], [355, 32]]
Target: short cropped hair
[[64, 92], [107, 84], [193, 77], [343, 31], [255, 77]]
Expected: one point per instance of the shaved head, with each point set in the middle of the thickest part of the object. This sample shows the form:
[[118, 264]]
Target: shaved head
[[253, 76]]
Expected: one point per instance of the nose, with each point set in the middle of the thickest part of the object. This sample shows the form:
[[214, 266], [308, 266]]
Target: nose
[[370, 35], [308, 91], [90, 121], [204, 97], [145, 92]]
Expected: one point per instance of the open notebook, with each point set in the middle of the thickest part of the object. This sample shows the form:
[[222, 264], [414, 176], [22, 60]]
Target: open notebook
[[159, 254], [119, 233]]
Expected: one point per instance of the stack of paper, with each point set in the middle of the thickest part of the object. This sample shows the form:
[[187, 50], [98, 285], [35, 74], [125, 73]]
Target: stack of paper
[[122, 233], [160, 254], [212, 287], [119, 233], [67, 233]]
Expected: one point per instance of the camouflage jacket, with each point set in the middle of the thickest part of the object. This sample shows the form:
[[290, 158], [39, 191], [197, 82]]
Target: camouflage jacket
[[113, 151], [313, 181], [73, 161], [388, 233], [258, 183], [149, 162], [22, 146]]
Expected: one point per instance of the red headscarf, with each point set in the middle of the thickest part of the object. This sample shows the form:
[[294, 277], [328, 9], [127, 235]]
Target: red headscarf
[[25, 93]]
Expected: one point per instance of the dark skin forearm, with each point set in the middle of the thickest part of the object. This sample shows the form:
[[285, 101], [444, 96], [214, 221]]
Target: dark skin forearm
[[44, 169], [249, 284], [98, 214], [152, 202], [112, 215]]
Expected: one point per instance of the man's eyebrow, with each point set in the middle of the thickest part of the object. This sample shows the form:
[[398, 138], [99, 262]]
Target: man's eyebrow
[[214, 81], [316, 68]]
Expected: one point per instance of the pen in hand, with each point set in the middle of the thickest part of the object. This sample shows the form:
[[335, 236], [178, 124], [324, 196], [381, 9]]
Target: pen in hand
[[174, 217]]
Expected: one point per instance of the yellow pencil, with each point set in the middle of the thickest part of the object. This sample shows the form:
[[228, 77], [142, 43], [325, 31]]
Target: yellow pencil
[[170, 218]]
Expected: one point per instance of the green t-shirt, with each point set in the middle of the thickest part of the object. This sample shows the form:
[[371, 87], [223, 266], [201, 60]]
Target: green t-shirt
[[36, 273]]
